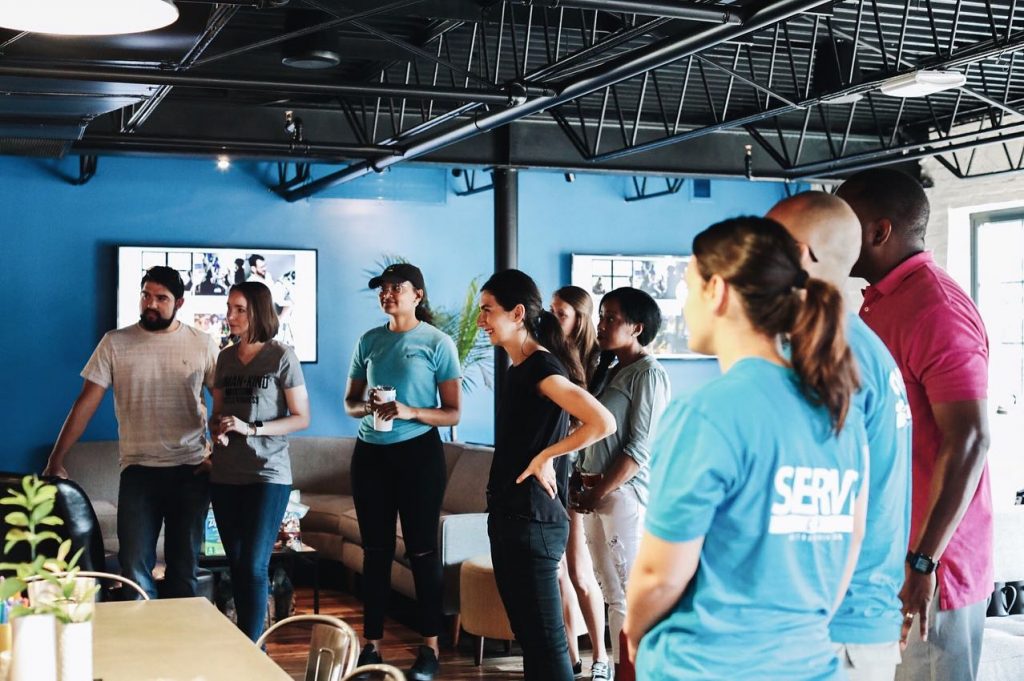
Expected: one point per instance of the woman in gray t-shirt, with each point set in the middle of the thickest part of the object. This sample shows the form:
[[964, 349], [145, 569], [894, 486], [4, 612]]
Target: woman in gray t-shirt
[[259, 397], [615, 470]]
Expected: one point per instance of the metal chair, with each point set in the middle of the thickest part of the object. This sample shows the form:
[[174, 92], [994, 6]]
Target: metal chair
[[333, 646], [375, 672], [103, 575]]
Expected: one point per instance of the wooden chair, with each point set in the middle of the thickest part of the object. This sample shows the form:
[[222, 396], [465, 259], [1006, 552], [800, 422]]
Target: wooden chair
[[333, 646]]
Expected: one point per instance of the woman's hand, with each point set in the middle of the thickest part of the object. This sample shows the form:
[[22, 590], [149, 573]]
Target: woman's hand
[[394, 410], [231, 424], [588, 500], [543, 469]]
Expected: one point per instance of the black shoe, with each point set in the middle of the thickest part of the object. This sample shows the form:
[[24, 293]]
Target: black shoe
[[425, 667], [577, 669], [368, 655]]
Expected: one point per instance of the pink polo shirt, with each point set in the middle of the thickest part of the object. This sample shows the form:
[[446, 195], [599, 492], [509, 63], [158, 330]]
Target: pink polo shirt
[[936, 335]]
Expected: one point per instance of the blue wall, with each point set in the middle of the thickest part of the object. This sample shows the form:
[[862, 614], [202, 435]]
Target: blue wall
[[60, 243]]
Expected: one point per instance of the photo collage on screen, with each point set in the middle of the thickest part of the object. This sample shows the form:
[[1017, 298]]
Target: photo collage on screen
[[209, 276], [660, 276]]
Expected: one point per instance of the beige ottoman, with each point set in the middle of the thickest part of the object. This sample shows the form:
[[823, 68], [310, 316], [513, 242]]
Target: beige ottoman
[[481, 611]]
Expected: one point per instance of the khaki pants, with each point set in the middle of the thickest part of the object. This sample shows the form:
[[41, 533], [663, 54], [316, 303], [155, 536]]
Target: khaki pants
[[953, 649], [869, 661]]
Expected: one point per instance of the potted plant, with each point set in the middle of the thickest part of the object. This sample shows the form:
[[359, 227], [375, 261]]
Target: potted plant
[[56, 592]]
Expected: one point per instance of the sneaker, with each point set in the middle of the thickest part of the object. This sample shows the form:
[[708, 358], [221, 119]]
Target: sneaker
[[600, 671], [425, 667], [577, 670], [368, 655]]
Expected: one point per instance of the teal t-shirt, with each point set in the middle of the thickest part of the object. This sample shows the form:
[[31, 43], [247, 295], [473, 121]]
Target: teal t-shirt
[[870, 613], [754, 468], [414, 362]]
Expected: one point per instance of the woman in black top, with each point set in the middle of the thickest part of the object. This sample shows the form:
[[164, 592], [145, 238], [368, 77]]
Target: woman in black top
[[527, 523]]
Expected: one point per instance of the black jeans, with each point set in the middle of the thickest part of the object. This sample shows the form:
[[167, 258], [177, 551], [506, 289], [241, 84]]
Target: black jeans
[[407, 480], [525, 554]]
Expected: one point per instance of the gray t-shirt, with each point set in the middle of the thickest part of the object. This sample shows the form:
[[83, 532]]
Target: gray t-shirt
[[636, 396], [158, 381], [255, 392]]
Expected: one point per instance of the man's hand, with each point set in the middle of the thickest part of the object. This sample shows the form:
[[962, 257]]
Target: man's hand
[[55, 469], [544, 470], [916, 594]]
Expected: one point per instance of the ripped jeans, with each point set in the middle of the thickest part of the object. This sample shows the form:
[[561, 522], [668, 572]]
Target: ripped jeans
[[613, 537]]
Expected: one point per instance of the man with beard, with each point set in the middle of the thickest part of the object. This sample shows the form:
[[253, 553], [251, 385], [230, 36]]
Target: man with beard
[[158, 368]]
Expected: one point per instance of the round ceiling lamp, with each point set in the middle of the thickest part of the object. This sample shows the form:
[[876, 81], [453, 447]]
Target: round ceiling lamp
[[86, 17]]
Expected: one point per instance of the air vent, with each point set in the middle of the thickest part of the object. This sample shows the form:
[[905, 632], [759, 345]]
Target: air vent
[[701, 188], [27, 146]]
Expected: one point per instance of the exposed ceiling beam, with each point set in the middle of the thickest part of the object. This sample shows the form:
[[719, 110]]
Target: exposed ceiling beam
[[627, 66], [154, 77], [692, 11]]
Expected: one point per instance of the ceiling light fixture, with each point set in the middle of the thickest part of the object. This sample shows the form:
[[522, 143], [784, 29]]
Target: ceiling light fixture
[[223, 163], [922, 83], [87, 17]]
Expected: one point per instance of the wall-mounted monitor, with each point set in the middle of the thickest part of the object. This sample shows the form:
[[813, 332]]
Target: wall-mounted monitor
[[662, 276], [209, 273]]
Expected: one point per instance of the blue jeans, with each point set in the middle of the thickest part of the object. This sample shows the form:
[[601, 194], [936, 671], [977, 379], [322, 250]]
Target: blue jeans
[[525, 554], [248, 518], [151, 496]]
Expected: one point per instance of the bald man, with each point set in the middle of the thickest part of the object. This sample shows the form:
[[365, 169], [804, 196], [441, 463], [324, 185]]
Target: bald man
[[866, 627], [937, 336]]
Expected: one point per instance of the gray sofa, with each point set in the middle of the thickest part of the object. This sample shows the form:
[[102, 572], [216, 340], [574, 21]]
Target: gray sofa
[[320, 469]]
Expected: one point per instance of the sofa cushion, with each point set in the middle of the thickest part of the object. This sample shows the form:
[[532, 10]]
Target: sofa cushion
[[327, 513], [467, 485], [321, 464]]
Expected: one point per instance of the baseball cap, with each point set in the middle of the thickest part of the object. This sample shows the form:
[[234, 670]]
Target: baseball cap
[[397, 273]]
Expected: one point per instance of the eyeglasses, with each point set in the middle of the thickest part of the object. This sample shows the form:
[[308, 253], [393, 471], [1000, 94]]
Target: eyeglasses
[[391, 288]]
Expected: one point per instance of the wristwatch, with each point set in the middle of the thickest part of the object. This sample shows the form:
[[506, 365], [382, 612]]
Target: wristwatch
[[253, 426], [921, 563]]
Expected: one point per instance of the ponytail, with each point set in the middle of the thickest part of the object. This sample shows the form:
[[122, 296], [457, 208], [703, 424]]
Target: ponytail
[[819, 353], [761, 261], [546, 330]]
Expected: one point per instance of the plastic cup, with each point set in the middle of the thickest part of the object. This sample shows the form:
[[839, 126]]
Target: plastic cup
[[382, 394]]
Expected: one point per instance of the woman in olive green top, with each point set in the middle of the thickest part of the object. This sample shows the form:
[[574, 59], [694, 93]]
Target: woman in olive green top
[[635, 389]]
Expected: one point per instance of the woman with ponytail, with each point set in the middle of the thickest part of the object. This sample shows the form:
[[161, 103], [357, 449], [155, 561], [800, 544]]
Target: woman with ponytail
[[756, 504], [527, 523]]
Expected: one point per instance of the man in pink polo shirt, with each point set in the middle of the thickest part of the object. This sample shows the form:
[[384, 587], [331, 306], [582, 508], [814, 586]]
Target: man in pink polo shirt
[[936, 335]]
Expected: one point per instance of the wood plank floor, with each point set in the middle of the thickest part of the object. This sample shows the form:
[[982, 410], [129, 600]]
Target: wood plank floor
[[400, 642]]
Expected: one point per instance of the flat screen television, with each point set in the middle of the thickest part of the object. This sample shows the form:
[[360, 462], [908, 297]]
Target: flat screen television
[[209, 273], [662, 276]]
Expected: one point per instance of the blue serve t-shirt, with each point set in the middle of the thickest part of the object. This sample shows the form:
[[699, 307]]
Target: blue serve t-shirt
[[412, 361], [870, 612], [754, 468]]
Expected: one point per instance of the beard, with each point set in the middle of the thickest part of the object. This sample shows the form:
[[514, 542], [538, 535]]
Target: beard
[[152, 321]]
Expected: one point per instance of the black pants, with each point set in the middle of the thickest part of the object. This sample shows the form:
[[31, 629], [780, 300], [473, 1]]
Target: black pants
[[407, 480], [525, 554]]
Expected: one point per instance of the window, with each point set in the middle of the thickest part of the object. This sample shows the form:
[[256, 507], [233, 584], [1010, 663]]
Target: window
[[997, 285]]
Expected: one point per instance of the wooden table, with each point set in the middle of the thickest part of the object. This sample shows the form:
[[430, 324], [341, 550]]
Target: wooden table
[[181, 639]]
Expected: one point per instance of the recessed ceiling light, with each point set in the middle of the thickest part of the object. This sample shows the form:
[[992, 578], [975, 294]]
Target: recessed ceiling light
[[87, 17], [223, 163], [922, 83]]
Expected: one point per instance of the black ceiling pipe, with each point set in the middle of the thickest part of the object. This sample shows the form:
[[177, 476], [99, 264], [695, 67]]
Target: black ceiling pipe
[[627, 66], [154, 77], [654, 8], [252, 149]]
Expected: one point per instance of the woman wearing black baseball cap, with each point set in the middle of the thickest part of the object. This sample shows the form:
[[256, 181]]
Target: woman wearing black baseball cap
[[398, 467]]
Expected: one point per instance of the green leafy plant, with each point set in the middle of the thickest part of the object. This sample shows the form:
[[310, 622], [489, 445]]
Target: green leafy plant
[[36, 500]]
